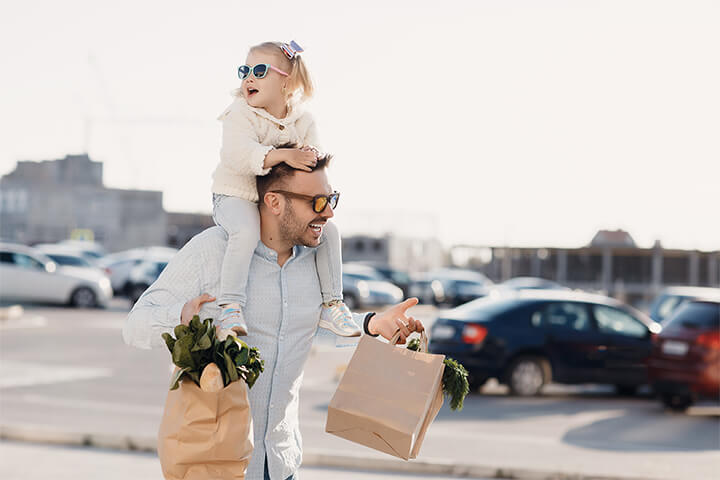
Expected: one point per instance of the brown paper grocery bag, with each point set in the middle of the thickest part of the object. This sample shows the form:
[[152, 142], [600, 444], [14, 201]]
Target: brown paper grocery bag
[[387, 397], [206, 435]]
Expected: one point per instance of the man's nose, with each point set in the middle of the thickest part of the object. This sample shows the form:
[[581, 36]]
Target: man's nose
[[328, 212]]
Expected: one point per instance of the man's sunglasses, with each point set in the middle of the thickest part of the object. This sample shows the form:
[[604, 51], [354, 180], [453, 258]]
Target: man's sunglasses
[[258, 71], [318, 202]]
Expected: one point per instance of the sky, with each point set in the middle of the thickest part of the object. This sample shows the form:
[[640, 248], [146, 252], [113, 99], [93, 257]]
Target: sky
[[523, 123]]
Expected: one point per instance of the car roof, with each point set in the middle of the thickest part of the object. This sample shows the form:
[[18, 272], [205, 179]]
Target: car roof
[[19, 248], [692, 291], [705, 300], [49, 249], [567, 296], [517, 298]]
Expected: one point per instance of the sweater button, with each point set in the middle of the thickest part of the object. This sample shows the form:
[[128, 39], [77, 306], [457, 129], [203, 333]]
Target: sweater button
[[281, 127]]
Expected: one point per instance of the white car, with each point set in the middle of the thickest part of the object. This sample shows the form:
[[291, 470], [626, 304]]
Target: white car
[[120, 265], [27, 275]]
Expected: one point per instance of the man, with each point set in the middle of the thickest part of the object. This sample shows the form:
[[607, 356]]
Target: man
[[283, 306]]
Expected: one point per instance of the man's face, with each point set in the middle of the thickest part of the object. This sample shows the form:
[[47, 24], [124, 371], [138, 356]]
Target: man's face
[[299, 224]]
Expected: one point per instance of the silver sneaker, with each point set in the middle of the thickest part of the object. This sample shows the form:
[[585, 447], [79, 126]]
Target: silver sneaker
[[337, 318]]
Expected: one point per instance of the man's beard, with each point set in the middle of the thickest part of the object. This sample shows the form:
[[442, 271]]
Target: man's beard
[[290, 228]]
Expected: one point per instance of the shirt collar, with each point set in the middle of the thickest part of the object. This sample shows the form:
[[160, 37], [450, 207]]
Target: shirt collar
[[271, 255]]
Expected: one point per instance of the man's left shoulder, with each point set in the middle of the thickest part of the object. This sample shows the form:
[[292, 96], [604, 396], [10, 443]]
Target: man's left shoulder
[[212, 240]]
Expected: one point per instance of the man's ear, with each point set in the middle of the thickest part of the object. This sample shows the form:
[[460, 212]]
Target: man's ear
[[273, 203]]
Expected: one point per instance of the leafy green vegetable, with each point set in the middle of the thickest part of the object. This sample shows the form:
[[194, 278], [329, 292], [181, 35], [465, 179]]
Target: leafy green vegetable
[[454, 382], [196, 345]]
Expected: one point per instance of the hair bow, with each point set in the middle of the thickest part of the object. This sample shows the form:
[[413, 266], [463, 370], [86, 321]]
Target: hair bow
[[291, 49]]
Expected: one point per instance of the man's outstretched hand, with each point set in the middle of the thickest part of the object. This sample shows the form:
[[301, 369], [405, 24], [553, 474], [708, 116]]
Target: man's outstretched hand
[[393, 319], [192, 307]]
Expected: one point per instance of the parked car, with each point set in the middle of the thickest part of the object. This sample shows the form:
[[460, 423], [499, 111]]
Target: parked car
[[397, 277], [29, 276], [671, 298], [66, 258], [532, 283], [142, 276], [449, 286], [685, 363], [90, 251], [119, 265], [363, 287], [534, 337]]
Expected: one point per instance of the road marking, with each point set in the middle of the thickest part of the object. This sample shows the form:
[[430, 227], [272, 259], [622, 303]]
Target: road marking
[[21, 374], [82, 404]]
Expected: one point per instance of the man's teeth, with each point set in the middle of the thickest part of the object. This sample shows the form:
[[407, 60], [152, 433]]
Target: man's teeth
[[316, 226]]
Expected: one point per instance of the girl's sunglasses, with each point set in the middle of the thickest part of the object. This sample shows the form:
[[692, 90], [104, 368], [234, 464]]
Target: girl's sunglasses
[[258, 71], [318, 202]]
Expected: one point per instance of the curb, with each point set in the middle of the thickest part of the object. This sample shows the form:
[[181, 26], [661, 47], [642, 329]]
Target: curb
[[310, 458]]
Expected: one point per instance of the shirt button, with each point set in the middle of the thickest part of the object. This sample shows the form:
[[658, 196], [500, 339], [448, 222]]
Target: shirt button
[[281, 127]]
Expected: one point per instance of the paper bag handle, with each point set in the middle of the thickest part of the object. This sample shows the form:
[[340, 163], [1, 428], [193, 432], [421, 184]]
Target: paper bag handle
[[423, 340]]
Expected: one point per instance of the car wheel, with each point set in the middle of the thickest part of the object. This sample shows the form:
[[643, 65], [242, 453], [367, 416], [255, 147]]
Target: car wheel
[[83, 297], [350, 302], [626, 390], [136, 292], [527, 375], [676, 402]]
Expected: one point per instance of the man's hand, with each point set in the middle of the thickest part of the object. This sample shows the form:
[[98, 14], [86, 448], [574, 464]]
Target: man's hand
[[192, 307], [393, 319]]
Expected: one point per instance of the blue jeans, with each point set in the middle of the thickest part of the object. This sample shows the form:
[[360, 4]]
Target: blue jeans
[[267, 475]]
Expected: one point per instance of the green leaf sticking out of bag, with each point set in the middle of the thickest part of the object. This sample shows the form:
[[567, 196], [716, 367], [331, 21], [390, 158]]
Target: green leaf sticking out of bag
[[196, 345], [455, 378]]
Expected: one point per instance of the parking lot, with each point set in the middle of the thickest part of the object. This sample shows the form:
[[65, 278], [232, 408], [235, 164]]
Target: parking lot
[[64, 369]]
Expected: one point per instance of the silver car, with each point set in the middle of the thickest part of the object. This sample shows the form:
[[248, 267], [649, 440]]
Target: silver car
[[363, 287], [26, 275]]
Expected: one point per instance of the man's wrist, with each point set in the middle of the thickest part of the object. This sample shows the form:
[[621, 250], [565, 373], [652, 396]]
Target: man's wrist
[[366, 324]]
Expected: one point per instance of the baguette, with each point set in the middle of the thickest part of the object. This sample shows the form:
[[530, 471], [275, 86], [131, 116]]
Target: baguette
[[211, 379]]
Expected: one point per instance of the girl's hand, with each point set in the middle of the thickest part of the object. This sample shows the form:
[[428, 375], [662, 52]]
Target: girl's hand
[[310, 148], [299, 158]]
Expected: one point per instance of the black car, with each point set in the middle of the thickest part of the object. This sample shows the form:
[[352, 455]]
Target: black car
[[533, 337]]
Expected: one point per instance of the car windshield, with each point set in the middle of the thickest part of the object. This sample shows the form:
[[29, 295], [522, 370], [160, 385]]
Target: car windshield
[[484, 308], [666, 305], [69, 260], [696, 314]]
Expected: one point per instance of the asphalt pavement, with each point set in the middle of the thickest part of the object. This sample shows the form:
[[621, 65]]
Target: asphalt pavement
[[65, 374]]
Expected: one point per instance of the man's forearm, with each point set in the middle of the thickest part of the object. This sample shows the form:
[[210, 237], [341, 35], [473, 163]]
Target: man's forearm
[[149, 319]]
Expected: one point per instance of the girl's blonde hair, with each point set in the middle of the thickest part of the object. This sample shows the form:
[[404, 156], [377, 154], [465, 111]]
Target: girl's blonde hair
[[299, 84]]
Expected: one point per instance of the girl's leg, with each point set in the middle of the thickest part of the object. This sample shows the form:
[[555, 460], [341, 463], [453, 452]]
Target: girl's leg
[[334, 315], [241, 221], [328, 260]]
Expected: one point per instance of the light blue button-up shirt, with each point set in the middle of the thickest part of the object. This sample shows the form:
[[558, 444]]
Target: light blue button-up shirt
[[282, 313]]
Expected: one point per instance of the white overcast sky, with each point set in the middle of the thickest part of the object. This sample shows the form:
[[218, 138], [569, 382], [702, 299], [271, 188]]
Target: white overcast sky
[[485, 122]]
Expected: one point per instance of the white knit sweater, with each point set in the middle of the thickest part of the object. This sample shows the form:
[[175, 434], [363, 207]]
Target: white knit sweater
[[249, 133]]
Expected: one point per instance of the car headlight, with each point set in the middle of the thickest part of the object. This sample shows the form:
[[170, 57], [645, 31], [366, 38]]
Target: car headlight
[[104, 283]]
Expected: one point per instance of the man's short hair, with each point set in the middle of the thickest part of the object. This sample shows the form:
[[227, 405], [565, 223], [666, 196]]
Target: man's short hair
[[282, 172]]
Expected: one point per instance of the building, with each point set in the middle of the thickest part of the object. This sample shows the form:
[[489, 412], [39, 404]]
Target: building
[[404, 253], [611, 264], [45, 202], [181, 227]]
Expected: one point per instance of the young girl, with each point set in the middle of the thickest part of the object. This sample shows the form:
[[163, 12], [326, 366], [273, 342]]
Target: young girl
[[266, 113]]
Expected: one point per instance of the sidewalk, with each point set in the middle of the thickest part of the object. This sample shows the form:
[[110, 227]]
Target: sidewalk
[[140, 460], [19, 461]]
